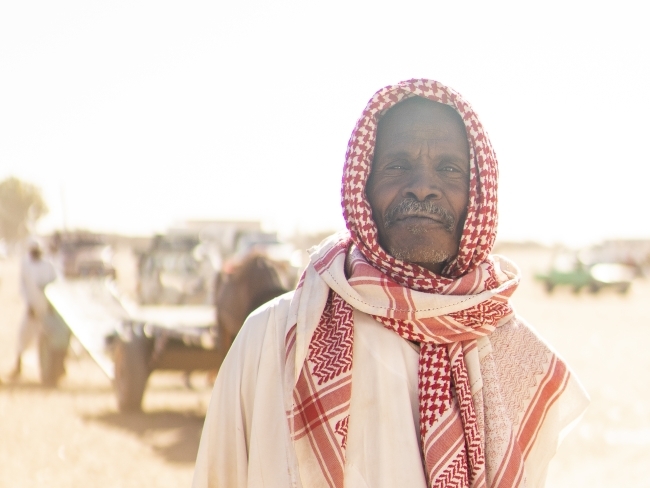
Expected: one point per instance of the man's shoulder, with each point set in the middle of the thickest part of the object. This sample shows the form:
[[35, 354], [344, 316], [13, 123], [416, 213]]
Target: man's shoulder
[[274, 311], [278, 305], [259, 341], [517, 326]]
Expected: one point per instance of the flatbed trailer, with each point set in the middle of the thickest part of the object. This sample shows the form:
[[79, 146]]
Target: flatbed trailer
[[128, 341]]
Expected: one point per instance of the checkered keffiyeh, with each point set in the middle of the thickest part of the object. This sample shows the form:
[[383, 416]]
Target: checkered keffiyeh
[[480, 225], [451, 442]]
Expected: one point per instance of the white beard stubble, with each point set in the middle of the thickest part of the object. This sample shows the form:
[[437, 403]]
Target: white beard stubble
[[425, 256]]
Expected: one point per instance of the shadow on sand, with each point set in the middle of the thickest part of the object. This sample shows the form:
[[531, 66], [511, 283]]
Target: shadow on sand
[[174, 436]]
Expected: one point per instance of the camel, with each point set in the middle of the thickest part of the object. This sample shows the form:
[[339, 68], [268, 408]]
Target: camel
[[255, 281]]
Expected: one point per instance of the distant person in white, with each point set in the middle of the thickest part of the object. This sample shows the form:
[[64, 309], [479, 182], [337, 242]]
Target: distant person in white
[[35, 273]]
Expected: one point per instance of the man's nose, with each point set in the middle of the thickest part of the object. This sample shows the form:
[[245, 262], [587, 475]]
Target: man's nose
[[424, 184]]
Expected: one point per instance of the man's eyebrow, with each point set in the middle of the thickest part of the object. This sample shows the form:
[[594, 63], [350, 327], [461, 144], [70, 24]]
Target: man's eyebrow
[[398, 152], [388, 156], [405, 152]]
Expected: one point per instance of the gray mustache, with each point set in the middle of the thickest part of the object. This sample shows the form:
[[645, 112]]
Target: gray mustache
[[410, 206]]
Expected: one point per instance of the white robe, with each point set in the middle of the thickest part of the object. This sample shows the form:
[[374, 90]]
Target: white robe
[[34, 276], [246, 440]]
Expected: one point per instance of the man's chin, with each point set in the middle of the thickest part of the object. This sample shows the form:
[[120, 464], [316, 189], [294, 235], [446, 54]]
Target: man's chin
[[427, 258]]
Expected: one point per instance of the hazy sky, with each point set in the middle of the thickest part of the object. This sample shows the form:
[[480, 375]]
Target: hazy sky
[[134, 115]]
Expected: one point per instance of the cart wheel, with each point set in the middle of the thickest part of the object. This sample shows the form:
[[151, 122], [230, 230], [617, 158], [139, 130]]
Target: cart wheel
[[50, 361], [131, 371]]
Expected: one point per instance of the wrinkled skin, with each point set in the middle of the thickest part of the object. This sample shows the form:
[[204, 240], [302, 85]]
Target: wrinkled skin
[[419, 183]]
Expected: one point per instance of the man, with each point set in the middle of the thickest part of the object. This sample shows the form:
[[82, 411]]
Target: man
[[35, 274], [398, 361]]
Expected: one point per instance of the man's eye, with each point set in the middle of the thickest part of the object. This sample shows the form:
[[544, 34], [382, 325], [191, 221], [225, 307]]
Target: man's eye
[[452, 171], [396, 165]]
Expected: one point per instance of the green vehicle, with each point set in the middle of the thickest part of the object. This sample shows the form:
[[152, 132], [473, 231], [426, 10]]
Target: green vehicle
[[570, 270]]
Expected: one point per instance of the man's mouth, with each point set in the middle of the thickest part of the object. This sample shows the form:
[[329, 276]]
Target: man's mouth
[[412, 209], [419, 215]]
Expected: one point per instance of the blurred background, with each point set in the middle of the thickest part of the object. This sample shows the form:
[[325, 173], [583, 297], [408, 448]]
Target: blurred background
[[159, 143]]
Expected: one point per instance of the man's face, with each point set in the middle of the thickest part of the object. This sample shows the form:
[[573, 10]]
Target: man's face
[[419, 183]]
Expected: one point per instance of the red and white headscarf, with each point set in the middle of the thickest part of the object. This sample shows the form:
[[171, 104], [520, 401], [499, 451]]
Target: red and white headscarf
[[479, 231], [447, 417]]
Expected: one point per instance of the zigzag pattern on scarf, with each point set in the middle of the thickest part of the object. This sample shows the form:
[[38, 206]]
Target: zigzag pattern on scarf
[[455, 476], [485, 314], [330, 350], [475, 453], [341, 429]]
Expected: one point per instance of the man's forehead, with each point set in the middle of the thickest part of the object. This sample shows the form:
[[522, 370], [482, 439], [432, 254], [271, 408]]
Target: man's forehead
[[420, 119], [414, 102], [416, 114], [406, 132]]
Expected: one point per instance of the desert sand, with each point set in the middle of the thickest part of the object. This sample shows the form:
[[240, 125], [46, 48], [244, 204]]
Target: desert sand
[[74, 437]]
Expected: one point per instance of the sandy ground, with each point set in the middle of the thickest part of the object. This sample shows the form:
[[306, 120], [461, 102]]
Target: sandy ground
[[74, 437]]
